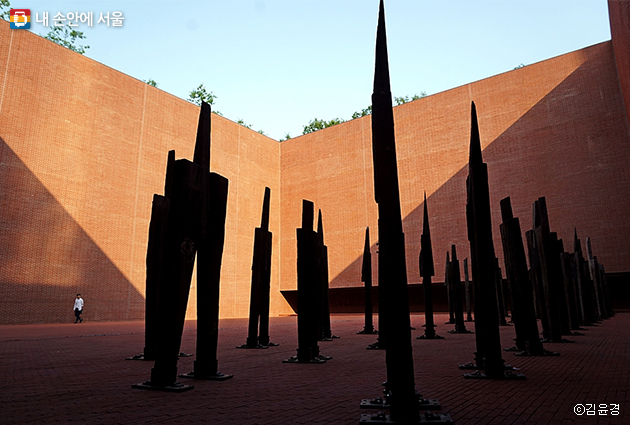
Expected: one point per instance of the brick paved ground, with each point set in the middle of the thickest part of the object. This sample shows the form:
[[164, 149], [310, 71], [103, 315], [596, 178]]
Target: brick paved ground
[[77, 373]]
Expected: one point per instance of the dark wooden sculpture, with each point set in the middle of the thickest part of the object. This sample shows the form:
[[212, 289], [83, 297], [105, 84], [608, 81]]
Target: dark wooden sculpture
[[524, 316], [426, 272], [488, 354], [454, 279], [309, 291], [400, 394], [366, 278], [450, 296], [324, 330], [469, 292], [194, 202], [258, 335]]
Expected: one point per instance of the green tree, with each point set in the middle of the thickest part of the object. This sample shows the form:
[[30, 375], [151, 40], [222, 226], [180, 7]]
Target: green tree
[[286, 137], [362, 112], [405, 99], [200, 94], [520, 66], [67, 38], [317, 124], [241, 122], [151, 82], [5, 14]]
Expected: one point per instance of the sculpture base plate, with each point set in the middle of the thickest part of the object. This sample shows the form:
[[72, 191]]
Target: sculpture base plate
[[562, 341], [376, 346], [270, 344], [460, 332], [426, 418], [513, 348], [506, 376], [254, 347], [139, 357], [473, 366], [182, 354], [426, 337], [174, 388], [379, 403], [573, 333], [214, 377], [315, 360], [366, 332], [324, 339], [469, 320], [544, 353]]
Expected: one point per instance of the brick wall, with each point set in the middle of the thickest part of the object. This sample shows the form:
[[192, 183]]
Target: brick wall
[[619, 15], [556, 128], [83, 148]]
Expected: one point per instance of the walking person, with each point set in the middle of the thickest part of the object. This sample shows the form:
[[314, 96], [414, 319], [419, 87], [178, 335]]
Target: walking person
[[78, 308]]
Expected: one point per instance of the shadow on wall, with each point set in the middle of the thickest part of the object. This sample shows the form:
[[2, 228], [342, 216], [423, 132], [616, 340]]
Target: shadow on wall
[[566, 148], [46, 258]]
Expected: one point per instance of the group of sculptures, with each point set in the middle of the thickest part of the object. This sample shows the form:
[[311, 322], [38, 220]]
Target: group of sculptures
[[188, 222]]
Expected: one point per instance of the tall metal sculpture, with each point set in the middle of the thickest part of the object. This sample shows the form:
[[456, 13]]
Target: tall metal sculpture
[[400, 392], [469, 292], [488, 354], [426, 272], [366, 278], [261, 277], [309, 291], [193, 215]]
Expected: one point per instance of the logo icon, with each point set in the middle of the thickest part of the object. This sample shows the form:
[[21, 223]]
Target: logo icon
[[20, 18]]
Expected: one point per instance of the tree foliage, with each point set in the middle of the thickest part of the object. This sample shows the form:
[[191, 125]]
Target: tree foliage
[[151, 82], [317, 124], [200, 94], [5, 14], [404, 99], [67, 38]]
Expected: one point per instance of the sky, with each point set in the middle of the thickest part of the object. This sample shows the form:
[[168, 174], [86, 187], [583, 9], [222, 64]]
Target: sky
[[278, 64]]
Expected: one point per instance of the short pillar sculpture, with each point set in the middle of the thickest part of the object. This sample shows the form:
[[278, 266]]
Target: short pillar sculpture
[[366, 278], [309, 291], [258, 328], [324, 332], [524, 317], [454, 278], [469, 293], [426, 272]]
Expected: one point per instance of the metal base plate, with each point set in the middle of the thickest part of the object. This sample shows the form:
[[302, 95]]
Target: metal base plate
[[376, 346], [426, 337], [543, 354], [253, 347], [271, 344], [506, 376], [379, 403], [460, 332], [138, 357], [215, 377], [364, 332], [315, 360], [426, 418], [473, 366], [175, 388], [513, 348], [182, 354]]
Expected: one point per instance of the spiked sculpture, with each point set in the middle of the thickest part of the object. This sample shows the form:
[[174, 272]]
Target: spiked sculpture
[[426, 271], [599, 283], [400, 394], [488, 354], [524, 317], [456, 284], [366, 278], [450, 296], [550, 272], [500, 299], [469, 294], [261, 276], [309, 291], [584, 283], [193, 213], [324, 332]]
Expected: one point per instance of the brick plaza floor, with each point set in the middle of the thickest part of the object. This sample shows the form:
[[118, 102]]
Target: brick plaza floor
[[78, 373]]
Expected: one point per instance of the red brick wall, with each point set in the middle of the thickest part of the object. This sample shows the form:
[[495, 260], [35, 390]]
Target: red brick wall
[[619, 15], [556, 129], [83, 148]]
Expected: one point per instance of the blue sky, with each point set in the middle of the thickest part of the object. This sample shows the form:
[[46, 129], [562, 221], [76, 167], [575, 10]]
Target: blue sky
[[278, 64]]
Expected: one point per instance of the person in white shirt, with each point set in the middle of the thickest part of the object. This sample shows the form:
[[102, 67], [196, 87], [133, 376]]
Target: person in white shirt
[[78, 308]]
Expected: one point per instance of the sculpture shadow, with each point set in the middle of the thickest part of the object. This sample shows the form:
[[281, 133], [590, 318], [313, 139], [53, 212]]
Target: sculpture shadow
[[46, 258]]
